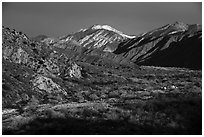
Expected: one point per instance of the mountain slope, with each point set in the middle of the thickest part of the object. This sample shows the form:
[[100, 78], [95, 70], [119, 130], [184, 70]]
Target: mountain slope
[[176, 45], [97, 36], [92, 45], [172, 45]]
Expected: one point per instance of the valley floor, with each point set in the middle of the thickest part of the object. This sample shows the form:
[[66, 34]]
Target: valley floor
[[149, 100]]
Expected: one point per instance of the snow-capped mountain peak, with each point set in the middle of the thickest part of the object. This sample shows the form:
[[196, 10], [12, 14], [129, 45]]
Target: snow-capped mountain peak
[[109, 28]]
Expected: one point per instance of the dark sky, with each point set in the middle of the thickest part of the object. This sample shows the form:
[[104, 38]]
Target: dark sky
[[57, 19]]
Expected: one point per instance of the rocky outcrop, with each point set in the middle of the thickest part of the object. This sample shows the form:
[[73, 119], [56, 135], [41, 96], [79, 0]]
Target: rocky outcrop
[[32, 68], [45, 84], [75, 71]]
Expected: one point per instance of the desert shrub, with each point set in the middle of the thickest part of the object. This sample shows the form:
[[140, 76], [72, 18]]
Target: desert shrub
[[5, 87], [103, 96], [19, 121], [32, 105], [50, 113], [93, 97], [70, 112], [113, 94], [90, 112], [112, 116]]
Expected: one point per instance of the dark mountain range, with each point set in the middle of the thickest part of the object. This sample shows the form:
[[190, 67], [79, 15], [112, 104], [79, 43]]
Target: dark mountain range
[[95, 81], [175, 45]]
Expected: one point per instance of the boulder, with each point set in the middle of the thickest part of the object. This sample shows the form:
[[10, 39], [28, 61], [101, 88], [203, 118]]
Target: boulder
[[75, 71]]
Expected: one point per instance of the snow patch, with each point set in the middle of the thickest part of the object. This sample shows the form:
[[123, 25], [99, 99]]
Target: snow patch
[[173, 32], [165, 27], [108, 49], [85, 39], [82, 30], [106, 27]]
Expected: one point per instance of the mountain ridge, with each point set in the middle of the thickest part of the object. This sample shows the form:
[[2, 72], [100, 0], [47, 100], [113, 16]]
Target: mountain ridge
[[111, 44], [102, 43]]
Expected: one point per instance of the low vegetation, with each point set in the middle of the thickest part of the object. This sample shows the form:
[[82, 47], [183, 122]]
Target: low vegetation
[[110, 102]]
